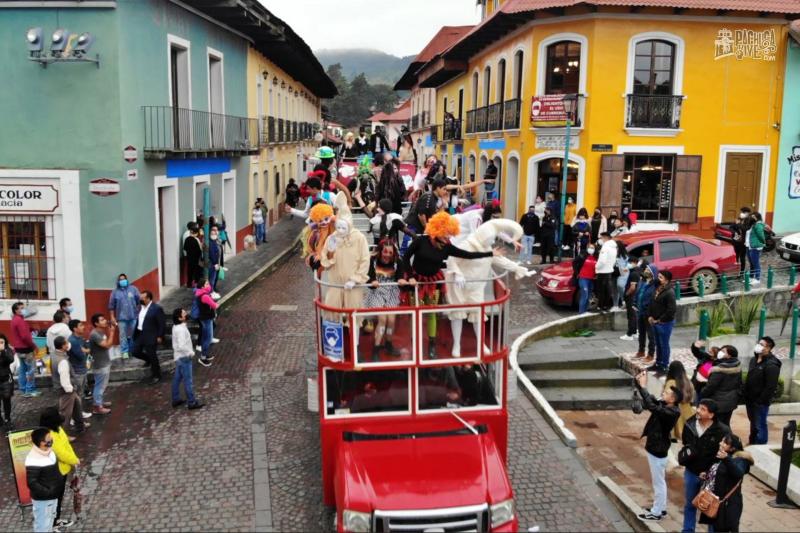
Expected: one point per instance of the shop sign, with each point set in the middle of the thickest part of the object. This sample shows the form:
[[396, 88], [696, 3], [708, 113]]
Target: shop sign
[[132, 174], [130, 154], [28, 198], [104, 187], [602, 148], [333, 340], [557, 142], [19, 444], [547, 110], [794, 176], [745, 44]]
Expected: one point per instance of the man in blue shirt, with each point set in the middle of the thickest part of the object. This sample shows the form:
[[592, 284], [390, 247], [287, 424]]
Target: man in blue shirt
[[77, 354], [123, 304]]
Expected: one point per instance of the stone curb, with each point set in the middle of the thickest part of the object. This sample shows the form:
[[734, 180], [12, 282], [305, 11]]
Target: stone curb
[[629, 509]]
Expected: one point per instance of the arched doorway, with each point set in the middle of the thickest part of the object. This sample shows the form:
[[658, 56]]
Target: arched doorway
[[512, 189], [548, 179], [498, 189]]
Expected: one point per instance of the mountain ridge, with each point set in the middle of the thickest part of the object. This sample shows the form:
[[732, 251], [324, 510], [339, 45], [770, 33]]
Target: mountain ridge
[[378, 66]]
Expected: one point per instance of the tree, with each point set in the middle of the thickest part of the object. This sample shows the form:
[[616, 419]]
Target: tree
[[358, 99]]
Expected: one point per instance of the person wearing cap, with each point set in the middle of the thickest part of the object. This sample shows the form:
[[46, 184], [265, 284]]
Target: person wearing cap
[[327, 158]]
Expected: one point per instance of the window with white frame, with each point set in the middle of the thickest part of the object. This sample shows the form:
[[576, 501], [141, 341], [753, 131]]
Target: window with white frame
[[27, 262]]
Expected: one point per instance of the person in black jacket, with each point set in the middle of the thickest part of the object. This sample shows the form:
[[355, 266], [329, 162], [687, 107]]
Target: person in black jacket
[[530, 230], [547, 236], [725, 479], [725, 382], [664, 413], [760, 387], [701, 436], [193, 251], [149, 333], [6, 380], [378, 145], [662, 317], [44, 479]]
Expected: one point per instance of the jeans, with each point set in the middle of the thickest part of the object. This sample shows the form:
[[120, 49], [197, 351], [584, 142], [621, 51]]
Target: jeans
[[126, 335], [585, 286], [206, 334], [757, 414], [658, 473], [261, 233], [755, 263], [605, 284], [183, 372], [619, 299], [100, 383], [630, 314], [27, 372], [527, 248], [646, 338], [691, 486], [213, 273], [661, 334], [44, 513]]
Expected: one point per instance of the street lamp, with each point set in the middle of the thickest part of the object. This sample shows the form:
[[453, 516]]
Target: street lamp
[[570, 104]]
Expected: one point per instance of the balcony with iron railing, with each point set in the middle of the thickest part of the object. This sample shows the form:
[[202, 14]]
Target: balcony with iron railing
[[435, 133], [481, 119], [511, 111], [170, 131], [653, 111], [495, 117], [451, 130], [415, 123]]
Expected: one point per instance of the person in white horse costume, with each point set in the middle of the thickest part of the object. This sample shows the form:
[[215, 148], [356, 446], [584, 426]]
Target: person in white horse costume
[[459, 273]]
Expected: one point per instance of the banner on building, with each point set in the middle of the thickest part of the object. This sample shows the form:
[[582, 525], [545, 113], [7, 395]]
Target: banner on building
[[547, 110], [794, 175], [19, 444], [333, 340]]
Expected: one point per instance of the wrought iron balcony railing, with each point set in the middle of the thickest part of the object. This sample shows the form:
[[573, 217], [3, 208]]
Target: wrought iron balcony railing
[[480, 119], [470, 121], [414, 122], [177, 130], [511, 109], [654, 111], [451, 130], [434, 133], [495, 114]]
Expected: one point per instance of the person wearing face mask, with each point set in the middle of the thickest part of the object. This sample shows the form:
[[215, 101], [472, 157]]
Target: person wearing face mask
[[424, 260], [385, 269], [100, 340], [44, 479], [346, 259], [64, 378], [6, 381], [612, 218], [581, 231], [216, 259], [570, 211], [739, 231], [725, 478], [628, 291], [606, 261], [387, 224], [662, 318], [547, 236], [586, 277], [756, 241], [149, 333], [725, 382], [599, 225], [22, 342], [644, 297], [123, 308], [65, 305], [530, 228], [59, 328], [538, 207], [760, 387]]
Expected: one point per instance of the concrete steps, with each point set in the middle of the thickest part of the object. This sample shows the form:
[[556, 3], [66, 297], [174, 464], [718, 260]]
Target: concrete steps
[[608, 378], [588, 398], [532, 359]]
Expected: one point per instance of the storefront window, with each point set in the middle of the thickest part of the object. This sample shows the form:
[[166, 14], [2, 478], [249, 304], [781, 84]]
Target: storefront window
[[563, 68], [647, 185], [366, 391], [27, 269], [549, 178]]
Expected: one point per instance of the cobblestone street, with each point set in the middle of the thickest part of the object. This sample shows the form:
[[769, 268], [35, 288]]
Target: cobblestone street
[[250, 460]]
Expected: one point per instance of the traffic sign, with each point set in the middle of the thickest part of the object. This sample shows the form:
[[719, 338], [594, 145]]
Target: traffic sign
[[130, 153]]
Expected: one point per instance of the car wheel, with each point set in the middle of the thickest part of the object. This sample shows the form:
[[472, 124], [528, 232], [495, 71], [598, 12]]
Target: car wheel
[[706, 276]]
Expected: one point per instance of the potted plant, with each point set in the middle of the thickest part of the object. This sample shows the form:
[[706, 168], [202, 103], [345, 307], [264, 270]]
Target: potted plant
[[743, 312]]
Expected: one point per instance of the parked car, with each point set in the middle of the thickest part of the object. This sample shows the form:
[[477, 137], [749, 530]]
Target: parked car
[[723, 232], [689, 258], [789, 247]]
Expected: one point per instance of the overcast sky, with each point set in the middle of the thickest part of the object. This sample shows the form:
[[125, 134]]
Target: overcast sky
[[399, 27]]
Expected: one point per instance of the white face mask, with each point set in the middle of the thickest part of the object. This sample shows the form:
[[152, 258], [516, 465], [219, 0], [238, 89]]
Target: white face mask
[[757, 349], [600, 242], [743, 215], [590, 251], [341, 228], [721, 354]]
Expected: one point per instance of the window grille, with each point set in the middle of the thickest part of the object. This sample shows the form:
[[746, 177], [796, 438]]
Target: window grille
[[27, 269]]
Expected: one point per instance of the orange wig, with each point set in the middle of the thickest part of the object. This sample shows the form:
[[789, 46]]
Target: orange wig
[[320, 212], [442, 225]]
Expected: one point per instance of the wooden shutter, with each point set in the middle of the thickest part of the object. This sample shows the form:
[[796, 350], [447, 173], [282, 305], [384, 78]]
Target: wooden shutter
[[612, 171], [686, 188]]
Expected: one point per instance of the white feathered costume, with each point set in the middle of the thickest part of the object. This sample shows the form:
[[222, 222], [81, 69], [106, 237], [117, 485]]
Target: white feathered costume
[[460, 271]]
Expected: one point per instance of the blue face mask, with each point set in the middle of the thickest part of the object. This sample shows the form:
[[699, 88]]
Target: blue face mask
[[69, 309], [123, 283], [26, 313]]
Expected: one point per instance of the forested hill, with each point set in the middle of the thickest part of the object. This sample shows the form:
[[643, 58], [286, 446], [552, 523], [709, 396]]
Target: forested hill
[[379, 67]]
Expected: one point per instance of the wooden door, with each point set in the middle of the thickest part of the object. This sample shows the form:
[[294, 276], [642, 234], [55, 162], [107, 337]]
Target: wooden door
[[742, 182], [612, 172], [686, 189]]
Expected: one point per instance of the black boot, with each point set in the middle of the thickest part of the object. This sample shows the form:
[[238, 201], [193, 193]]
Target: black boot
[[431, 347], [394, 352], [376, 351]]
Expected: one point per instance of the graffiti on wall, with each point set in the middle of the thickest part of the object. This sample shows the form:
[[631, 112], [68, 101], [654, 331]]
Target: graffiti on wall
[[745, 44]]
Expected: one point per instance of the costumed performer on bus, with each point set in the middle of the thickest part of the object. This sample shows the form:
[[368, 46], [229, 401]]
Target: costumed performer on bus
[[463, 291], [385, 269], [424, 260], [319, 225], [346, 260]]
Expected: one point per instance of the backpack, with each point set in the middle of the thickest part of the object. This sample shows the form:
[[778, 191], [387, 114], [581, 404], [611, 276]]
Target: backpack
[[194, 312]]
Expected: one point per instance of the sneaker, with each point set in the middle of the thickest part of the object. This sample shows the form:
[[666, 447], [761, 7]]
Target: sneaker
[[34, 394], [203, 361], [209, 357], [615, 309], [198, 348], [627, 338], [196, 405], [648, 510], [650, 517], [565, 247], [124, 355], [86, 415], [64, 523], [178, 403], [106, 404], [215, 295], [98, 410], [214, 340], [754, 281], [635, 335]]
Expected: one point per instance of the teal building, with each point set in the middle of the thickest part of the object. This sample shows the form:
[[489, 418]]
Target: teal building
[[787, 192], [122, 120]]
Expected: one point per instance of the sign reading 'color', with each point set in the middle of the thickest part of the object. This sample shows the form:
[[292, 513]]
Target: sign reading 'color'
[[26, 198]]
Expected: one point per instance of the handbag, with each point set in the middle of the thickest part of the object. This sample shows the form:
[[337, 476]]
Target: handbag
[[708, 503], [221, 274]]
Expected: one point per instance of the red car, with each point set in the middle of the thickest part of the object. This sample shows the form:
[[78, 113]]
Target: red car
[[689, 258]]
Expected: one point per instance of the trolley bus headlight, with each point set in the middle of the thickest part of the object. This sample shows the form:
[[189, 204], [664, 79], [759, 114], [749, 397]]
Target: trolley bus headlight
[[356, 522], [502, 512]]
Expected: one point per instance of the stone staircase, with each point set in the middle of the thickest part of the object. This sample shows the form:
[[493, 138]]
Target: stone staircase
[[574, 376]]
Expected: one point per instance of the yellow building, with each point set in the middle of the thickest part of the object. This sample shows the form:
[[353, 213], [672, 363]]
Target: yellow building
[[678, 108], [284, 89]]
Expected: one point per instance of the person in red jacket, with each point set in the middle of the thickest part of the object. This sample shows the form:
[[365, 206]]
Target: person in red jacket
[[586, 278], [22, 342]]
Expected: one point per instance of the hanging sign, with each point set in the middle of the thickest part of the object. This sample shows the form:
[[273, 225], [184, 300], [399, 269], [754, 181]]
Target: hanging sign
[[333, 340], [132, 174], [547, 111], [19, 444], [794, 175], [130, 153], [104, 187], [28, 198]]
